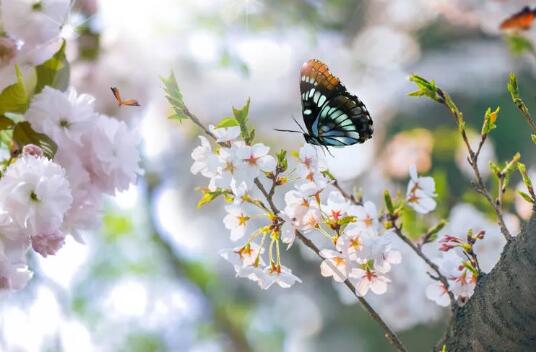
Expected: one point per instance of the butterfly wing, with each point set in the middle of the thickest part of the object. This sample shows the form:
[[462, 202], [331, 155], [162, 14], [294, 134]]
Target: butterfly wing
[[317, 85], [333, 116], [343, 120], [131, 102], [521, 20], [117, 95]]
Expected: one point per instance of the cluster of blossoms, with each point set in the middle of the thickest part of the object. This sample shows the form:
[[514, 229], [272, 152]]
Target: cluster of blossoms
[[361, 250], [31, 34], [460, 266], [43, 200]]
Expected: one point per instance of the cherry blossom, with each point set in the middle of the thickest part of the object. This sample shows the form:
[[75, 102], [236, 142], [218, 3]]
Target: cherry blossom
[[36, 193], [438, 293], [255, 159], [205, 161], [225, 134], [420, 193], [334, 264], [246, 260], [34, 22], [367, 279], [48, 244], [278, 274], [236, 220], [63, 116], [366, 217]]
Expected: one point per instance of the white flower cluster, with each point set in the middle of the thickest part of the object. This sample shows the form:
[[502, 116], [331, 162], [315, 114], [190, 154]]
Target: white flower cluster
[[361, 252], [421, 192], [31, 34], [42, 200]]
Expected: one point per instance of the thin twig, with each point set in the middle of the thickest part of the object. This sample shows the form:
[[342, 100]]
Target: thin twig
[[473, 159], [431, 264], [345, 194]]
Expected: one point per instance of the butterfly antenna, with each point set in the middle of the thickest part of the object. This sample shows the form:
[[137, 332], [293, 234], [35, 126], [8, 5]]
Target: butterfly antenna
[[300, 127], [280, 130]]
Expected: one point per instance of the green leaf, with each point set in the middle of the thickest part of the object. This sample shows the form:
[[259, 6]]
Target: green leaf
[[54, 72], [533, 137], [425, 88], [388, 202], [174, 97], [6, 123], [24, 134], [116, 226], [15, 97], [282, 163], [518, 44], [489, 120], [431, 234], [444, 348], [513, 88], [227, 122], [526, 197], [209, 196], [241, 115]]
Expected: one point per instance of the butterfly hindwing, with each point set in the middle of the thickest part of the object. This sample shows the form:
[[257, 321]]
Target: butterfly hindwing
[[333, 116]]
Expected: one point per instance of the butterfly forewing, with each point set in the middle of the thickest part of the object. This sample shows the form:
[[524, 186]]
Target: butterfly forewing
[[317, 86], [333, 116]]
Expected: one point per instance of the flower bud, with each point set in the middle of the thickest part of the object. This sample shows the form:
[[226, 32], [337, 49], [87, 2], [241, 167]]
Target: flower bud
[[32, 150]]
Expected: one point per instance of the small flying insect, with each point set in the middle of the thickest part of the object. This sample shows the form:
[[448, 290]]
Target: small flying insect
[[521, 20], [120, 101]]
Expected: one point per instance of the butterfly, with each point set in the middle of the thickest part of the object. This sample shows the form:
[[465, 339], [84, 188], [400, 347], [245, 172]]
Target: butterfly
[[120, 101], [332, 116], [520, 20]]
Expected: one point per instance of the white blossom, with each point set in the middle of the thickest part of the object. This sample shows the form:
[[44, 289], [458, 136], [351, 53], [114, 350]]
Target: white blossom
[[36, 194], [236, 220], [114, 159], [420, 193], [438, 293], [63, 116], [34, 22], [334, 264], [225, 134], [205, 161], [365, 280], [278, 274], [254, 159], [366, 217]]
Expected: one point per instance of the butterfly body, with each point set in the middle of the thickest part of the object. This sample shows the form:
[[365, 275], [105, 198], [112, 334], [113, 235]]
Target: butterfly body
[[332, 116]]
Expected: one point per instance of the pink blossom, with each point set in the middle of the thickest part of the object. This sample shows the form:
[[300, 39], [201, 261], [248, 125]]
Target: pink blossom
[[48, 244]]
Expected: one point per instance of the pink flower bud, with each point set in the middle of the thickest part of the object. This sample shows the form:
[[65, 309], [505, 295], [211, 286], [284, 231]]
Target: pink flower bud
[[48, 244], [32, 150], [8, 51]]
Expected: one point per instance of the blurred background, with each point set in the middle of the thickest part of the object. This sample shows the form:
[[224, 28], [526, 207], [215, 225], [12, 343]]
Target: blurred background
[[151, 278]]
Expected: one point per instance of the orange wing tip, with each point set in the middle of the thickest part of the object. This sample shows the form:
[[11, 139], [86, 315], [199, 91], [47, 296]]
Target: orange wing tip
[[521, 20]]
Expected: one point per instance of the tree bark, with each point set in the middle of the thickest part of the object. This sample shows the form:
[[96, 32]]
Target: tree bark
[[501, 314]]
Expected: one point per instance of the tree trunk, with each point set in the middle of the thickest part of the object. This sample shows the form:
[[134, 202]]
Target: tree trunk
[[501, 314]]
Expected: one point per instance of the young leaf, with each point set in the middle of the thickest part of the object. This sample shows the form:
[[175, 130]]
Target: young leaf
[[518, 44], [425, 88], [227, 122], [55, 72], [489, 120], [24, 134], [526, 197], [431, 234], [6, 123], [533, 137], [15, 97], [174, 97], [388, 202], [241, 115], [209, 196]]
